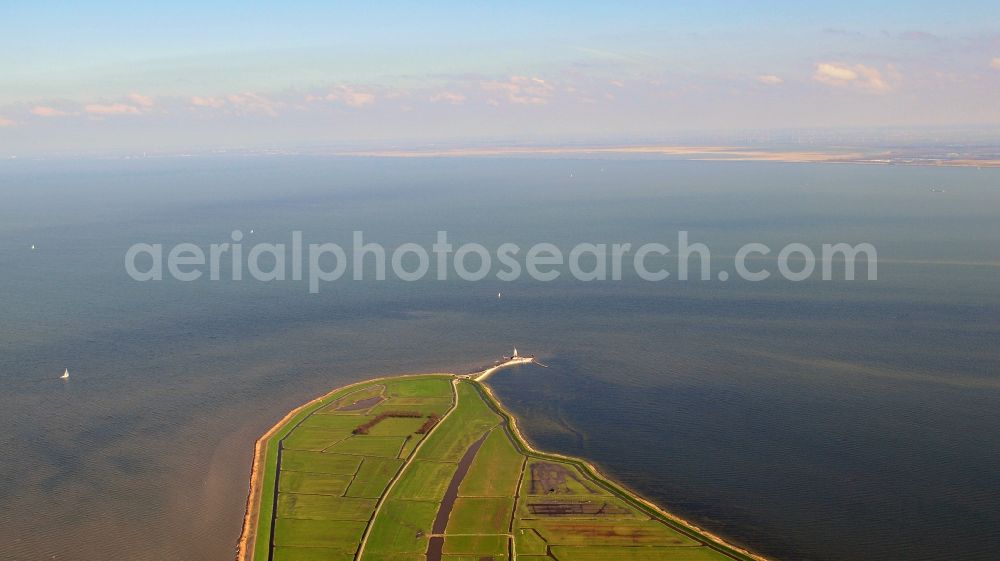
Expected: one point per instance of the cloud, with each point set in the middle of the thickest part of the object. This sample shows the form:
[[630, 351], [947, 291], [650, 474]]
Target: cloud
[[141, 100], [111, 109], [212, 102], [769, 79], [46, 111], [995, 63], [348, 96], [5, 122], [454, 98], [522, 90], [250, 102], [857, 76]]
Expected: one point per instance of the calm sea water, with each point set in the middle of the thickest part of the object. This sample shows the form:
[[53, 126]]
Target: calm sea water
[[828, 421]]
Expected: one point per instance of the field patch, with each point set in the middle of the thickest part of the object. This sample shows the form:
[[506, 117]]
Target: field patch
[[605, 506], [605, 553], [345, 423], [373, 477], [397, 426], [424, 481], [316, 439], [529, 542], [361, 404], [409, 445], [357, 400], [418, 400], [618, 532], [438, 386], [552, 478], [343, 535], [311, 554], [391, 423], [319, 462], [381, 446], [401, 527], [313, 483], [496, 470], [476, 546], [324, 507], [423, 405], [481, 515], [465, 425]]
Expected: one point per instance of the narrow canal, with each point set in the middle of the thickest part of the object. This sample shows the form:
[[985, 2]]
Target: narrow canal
[[436, 545]]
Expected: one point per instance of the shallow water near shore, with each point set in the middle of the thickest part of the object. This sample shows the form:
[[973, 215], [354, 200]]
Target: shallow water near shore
[[828, 421]]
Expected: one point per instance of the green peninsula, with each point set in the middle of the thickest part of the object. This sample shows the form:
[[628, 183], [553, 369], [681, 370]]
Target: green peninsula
[[433, 468]]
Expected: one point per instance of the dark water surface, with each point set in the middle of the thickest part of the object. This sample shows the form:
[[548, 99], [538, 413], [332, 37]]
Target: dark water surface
[[828, 421]]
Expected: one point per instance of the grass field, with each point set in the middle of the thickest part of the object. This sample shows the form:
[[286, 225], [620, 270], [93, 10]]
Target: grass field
[[319, 462], [411, 443], [380, 446], [314, 483], [349, 478], [496, 470], [598, 553], [323, 507], [425, 481], [311, 554], [317, 533], [422, 405], [476, 546], [400, 528], [470, 420], [373, 477], [315, 439], [481, 515]]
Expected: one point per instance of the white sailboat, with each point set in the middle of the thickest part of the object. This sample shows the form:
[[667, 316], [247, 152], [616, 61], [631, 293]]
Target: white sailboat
[[65, 375]]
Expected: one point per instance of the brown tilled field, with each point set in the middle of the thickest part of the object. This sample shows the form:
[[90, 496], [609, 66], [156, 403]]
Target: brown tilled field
[[557, 479]]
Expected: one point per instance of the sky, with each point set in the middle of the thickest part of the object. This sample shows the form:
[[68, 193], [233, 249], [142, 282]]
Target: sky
[[136, 76]]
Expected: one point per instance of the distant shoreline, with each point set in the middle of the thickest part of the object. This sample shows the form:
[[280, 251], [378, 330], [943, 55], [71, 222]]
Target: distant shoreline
[[260, 474], [897, 157], [979, 156]]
